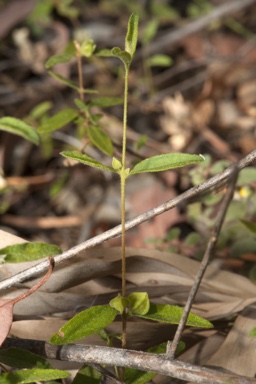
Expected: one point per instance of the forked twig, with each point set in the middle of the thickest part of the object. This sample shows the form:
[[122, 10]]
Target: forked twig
[[196, 191], [172, 346]]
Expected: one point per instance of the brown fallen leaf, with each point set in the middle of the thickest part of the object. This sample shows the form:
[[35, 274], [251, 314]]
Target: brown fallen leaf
[[237, 354], [6, 313], [6, 306]]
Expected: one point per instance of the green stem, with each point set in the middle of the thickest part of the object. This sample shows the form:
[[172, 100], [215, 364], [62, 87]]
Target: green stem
[[123, 194], [125, 115]]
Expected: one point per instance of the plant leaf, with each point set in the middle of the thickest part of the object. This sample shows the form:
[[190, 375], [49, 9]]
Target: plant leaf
[[87, 48], [6, 316], [246, 176], [104, 53], [164, 162], [249, 225], [58, 59], [85, 323], [81, 158], [18, 127], [69, 83], [160, 61], [119, 303], [124, 56], [41, 109], [58, 121], [252, 333], [171, 314], [132, 34], [103, 102], [28, 251], [141, 142], [149, 31], [100, 139], [32, 375], [20, 358], [139, 303], [81, 105], [95, 118], [116, 164]]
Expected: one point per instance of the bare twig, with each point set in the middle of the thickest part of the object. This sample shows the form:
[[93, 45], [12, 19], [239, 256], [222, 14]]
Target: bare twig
[[172, 347], [227, 8], [115, 232], [130, 359]]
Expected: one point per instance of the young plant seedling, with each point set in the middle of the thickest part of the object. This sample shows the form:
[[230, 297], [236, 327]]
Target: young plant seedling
[[95, 319], [136, 304]]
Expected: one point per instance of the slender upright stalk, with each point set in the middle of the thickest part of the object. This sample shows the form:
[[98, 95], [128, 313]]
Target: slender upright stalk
[[123, 194]]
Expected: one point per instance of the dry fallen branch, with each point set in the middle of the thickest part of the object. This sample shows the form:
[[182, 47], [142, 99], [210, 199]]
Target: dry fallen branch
[[196, 191], [126, 358]]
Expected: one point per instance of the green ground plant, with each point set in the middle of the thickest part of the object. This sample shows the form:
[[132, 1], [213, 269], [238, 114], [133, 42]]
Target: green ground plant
[[137, 304]]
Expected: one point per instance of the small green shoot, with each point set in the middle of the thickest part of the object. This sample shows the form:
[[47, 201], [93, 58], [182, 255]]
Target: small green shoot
[[136, 304]]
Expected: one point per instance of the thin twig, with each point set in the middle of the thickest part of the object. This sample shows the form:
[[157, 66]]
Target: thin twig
[[88, 354], [172, 347], [196, 191]]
